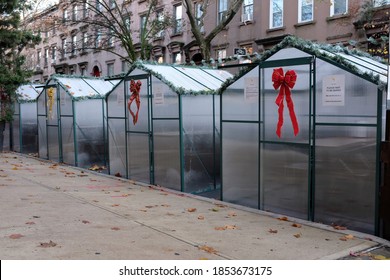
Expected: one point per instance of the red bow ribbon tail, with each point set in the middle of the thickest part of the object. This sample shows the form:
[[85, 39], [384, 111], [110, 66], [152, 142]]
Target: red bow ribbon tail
[[279, 102], [293, 117]]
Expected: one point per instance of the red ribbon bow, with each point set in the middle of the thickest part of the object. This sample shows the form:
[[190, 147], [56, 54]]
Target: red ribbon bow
[[285, 82], [135, 89]]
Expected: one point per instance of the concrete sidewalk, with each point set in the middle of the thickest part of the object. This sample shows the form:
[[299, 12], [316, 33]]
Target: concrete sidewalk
[[54, 211]]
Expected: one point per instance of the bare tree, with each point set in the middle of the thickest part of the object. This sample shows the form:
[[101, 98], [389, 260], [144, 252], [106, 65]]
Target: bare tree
[[196, 19], [112, 21]]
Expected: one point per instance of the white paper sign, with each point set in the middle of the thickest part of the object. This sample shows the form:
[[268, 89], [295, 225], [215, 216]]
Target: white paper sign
[[251, 90], [158, 95], [333, 90]]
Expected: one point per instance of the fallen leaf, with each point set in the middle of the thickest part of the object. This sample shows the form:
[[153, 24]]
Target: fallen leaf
[[220, 205], [118, 175], [272, 231], [219, 228], [30, 223], [283, 218], [298, 235], [339, 227], [115, 205], [115, 228], [349, 236], [16, 236], [379, 257], [214, 209], [48, 244], [232, 214], [296, 225], [191, 209], [85, 222], [208, 249], [200, 217]]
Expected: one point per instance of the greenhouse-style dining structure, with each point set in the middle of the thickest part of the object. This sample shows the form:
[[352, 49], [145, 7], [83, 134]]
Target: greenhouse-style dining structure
[[24, 124], [71, 120], [301, 131], [163, 126]]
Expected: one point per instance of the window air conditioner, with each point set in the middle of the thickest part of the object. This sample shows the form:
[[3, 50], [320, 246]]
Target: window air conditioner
[[247, 17]]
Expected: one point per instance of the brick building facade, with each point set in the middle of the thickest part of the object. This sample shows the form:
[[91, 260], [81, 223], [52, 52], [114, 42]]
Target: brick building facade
[[259, 25]]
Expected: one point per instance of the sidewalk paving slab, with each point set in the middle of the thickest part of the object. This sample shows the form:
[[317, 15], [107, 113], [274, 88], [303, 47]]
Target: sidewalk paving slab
[[55, 211]]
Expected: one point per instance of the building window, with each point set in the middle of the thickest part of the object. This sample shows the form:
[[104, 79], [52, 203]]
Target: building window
[[65, 16], [305, 10], [220, 54], [74, 13], [39, 56], [160, 18], [222, 9], [63, 46], [177, 58], [74, 44], [98, 6], [247, 11], [83, 71], [124, 66], [378, 3], [112, 4], [53, 54], [338, 7], [198, 16], [143, 24], [98, 38], [178, 19], [110, 69], [276, 13], [46, 57], [110, 38], [84, 42], [85, 8]]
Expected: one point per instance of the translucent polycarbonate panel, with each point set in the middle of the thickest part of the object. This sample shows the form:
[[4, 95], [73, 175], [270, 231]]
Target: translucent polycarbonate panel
[[284, 177], [6, 138], [53, 143], [77, 87], [29, 127], [28, 92], [68, 150], [167, 153], [176, 78], [288, 53], [240, 163], [138, 118], [66, 107], [16, 133], [17, 108], [199, 145], [269, 111], [165, 101], [138, 157], [101, 86], [343, 97], [117, 147], [91, 142], [41, 103], [217, 128], [211, 80], [240, 101], [345, 177], [116, 102], [42, 137]]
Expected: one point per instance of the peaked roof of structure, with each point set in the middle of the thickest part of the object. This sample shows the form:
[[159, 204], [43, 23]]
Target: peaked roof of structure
[[184, 80], [84, 87], [357, 62], [28, 92]]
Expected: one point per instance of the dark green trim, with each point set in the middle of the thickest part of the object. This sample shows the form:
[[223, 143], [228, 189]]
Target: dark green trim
[[346, 124], [287, 62]]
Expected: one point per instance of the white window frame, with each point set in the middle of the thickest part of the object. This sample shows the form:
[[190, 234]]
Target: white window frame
[[379, 3], [222, 9], [332, 5], [74, 44], [300, 7], [271, 16], [178, 28], [247, 5]]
